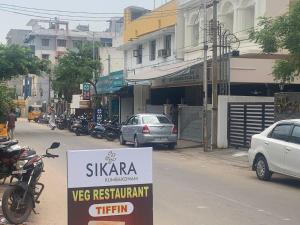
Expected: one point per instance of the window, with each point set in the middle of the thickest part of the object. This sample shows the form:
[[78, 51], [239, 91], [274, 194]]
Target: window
[[195, 36], [152, 50], [168, 40], [77, 43], [295, 138], [228, 16], [139, 58], [135, 121], [61, 43], [156, 120], [130, 121], [45, 56], [45, 42], [281, 132], [106, 42]]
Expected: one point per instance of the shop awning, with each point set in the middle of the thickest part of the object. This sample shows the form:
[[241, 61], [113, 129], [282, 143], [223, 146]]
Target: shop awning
[[160, 71], [110, 83]]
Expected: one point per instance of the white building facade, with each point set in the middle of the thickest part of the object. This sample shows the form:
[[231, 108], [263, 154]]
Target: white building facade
[[149, 53], [238, 17]]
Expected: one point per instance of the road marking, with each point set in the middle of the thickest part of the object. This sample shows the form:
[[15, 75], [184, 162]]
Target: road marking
[[286, 219], [201, 207]]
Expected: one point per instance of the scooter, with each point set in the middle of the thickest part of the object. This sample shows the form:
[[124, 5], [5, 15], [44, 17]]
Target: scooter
[[98, 131]]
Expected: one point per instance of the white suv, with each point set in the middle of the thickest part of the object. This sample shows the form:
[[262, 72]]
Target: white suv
[[276, 150]]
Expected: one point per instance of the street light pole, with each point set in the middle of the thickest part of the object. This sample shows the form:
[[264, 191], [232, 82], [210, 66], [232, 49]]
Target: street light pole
[[214, 124], [205, 128]]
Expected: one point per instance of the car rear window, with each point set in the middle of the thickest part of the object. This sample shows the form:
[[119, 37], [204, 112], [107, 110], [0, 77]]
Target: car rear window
[[295, 138], [281, 132], [156, 120]]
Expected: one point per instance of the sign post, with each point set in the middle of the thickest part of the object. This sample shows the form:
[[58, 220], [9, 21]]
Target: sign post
[[110, 187], [86, 92]]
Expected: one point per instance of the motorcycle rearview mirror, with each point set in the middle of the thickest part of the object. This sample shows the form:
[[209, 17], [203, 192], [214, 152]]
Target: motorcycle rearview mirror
[[54, 145]]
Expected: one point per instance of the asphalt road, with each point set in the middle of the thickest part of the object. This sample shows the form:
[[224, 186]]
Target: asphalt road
[[189, 189]]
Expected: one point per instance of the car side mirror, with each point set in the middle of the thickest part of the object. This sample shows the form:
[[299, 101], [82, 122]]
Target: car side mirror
[[123, 123], [54, 145]]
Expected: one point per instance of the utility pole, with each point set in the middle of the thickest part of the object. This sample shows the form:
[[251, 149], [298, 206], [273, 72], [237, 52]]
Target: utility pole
[[109, 64], [214, 124], [205, 128], [94, 77]]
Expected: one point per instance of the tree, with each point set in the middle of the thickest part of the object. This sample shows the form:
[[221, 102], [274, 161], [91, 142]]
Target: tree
[[19, 60], [75, 68], [6, 102], [281, 33]]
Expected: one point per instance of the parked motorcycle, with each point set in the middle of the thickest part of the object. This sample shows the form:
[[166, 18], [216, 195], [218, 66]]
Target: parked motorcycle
[[112, 131], [70, 122], [98, 131], [20, 198], [83, 126], [61, 122], [10, 154], [43, 118]]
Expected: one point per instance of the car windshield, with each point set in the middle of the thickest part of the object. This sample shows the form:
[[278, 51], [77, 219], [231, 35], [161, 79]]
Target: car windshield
[[152, 119]]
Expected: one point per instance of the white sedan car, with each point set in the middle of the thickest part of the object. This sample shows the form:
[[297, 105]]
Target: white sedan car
[[276, 150]]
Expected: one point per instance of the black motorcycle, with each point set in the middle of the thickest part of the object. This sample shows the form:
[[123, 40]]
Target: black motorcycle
[[98, 131], [112, 131], [61, 122], [10, 156], [20, 198], [83, 126]]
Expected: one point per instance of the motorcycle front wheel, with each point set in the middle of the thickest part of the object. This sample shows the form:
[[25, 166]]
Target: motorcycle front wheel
[[15, 210]]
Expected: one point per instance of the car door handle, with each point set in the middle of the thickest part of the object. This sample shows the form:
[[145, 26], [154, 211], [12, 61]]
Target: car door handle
[[266, 143], [288, 149]]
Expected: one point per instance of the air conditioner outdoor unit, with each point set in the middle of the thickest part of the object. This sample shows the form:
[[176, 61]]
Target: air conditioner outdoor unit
[[162, 53]]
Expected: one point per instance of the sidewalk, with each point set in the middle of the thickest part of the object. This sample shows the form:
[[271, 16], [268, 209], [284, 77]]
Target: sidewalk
[[234, 157]]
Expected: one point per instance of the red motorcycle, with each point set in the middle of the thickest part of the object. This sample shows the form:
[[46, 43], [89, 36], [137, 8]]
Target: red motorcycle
[[10, 154]]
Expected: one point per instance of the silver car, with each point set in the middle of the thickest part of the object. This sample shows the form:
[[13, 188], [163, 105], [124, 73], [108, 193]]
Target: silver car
[[143, 129]]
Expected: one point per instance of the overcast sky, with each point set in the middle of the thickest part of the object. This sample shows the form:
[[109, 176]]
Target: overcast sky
[[13, 21]]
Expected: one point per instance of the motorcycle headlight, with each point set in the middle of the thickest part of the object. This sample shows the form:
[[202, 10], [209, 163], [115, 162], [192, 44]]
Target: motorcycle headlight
[[20, 164]]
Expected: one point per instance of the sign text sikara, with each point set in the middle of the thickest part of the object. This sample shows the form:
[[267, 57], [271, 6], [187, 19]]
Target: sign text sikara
[[110, 187]]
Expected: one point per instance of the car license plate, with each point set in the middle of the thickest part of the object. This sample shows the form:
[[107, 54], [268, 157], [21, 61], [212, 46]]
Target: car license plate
[[161, 139], [19, 172]]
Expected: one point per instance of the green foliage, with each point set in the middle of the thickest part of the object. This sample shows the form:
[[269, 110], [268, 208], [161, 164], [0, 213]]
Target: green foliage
[[6, 102], [283, 32], [73, 69], [18, 60]]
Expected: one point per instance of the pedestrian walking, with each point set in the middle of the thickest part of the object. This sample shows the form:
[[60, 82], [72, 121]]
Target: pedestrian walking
[[11, 124], [52, 118]]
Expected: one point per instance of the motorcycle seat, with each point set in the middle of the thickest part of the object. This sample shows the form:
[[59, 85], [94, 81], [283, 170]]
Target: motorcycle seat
[[9, 143]]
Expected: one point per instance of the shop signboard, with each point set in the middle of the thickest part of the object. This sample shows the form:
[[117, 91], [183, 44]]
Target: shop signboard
[[110, 187], [86, 91]]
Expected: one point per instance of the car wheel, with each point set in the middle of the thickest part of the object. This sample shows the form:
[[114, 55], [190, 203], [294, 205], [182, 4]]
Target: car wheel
[[171, 146], [262, 169], [122, 142], [136, 142]]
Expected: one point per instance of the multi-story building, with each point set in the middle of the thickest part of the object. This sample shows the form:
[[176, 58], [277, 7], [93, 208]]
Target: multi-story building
[[149, 47], [250, 71], [50, 39]]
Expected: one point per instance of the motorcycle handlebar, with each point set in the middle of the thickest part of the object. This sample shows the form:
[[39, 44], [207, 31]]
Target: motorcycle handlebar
[[49, 155]]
